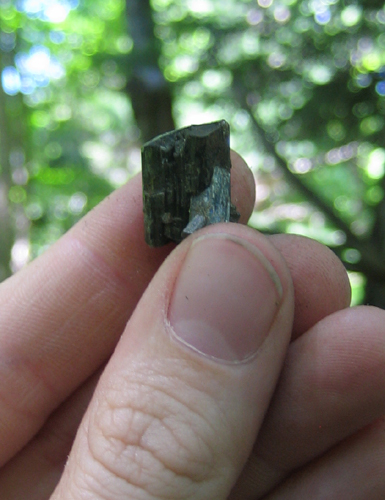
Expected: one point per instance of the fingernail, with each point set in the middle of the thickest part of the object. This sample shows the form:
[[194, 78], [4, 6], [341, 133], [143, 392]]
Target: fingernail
[[225, 298]]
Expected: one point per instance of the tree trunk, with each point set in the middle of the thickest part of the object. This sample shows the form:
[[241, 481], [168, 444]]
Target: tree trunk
[[6, 232], [375, 288], [149, 91]]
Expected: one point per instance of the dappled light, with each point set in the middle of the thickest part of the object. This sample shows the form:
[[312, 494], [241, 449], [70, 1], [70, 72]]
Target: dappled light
[[54, 11], [301, 82]]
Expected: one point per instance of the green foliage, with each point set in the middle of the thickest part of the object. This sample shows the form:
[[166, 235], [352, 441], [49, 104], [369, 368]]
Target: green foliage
[[78, 139], [309, 74], [301, 82]]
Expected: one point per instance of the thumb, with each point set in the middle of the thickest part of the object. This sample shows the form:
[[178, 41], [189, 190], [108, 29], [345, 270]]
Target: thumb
[[178, 408]]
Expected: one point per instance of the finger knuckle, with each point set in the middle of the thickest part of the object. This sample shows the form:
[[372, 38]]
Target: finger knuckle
[[154, 438]]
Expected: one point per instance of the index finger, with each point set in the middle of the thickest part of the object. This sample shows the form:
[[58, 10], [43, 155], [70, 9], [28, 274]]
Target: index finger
[[62, 315]]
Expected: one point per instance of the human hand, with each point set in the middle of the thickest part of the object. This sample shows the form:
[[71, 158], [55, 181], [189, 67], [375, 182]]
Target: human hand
[[164, 420], [323, 437]]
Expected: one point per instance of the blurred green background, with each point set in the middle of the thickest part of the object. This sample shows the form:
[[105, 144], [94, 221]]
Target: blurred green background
[[301, 82]]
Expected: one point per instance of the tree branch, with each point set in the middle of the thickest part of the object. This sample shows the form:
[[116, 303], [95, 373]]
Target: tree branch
[[371, 262]]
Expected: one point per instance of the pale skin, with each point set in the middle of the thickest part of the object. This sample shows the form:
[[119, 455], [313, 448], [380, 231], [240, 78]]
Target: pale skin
[[98, 400]]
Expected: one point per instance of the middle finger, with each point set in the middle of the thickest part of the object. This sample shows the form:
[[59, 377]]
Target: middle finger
[[332, 385]]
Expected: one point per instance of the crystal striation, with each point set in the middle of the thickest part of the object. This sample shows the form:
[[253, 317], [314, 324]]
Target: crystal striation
[[186, 182]]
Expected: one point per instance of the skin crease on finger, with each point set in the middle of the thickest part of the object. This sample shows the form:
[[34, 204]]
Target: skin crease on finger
[[353, 470], [34, 472]]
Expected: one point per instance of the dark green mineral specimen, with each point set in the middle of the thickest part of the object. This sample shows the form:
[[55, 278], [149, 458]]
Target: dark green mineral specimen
[[186, 182]]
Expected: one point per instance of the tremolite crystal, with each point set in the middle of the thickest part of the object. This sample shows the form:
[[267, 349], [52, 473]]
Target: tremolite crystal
[[186, 182]]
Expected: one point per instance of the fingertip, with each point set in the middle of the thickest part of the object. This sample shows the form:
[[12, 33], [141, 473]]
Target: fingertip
[[160, 386], [242, 187], [321, 283]]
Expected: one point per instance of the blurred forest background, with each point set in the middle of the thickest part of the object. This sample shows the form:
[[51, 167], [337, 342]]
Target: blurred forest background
[[301, 82]]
